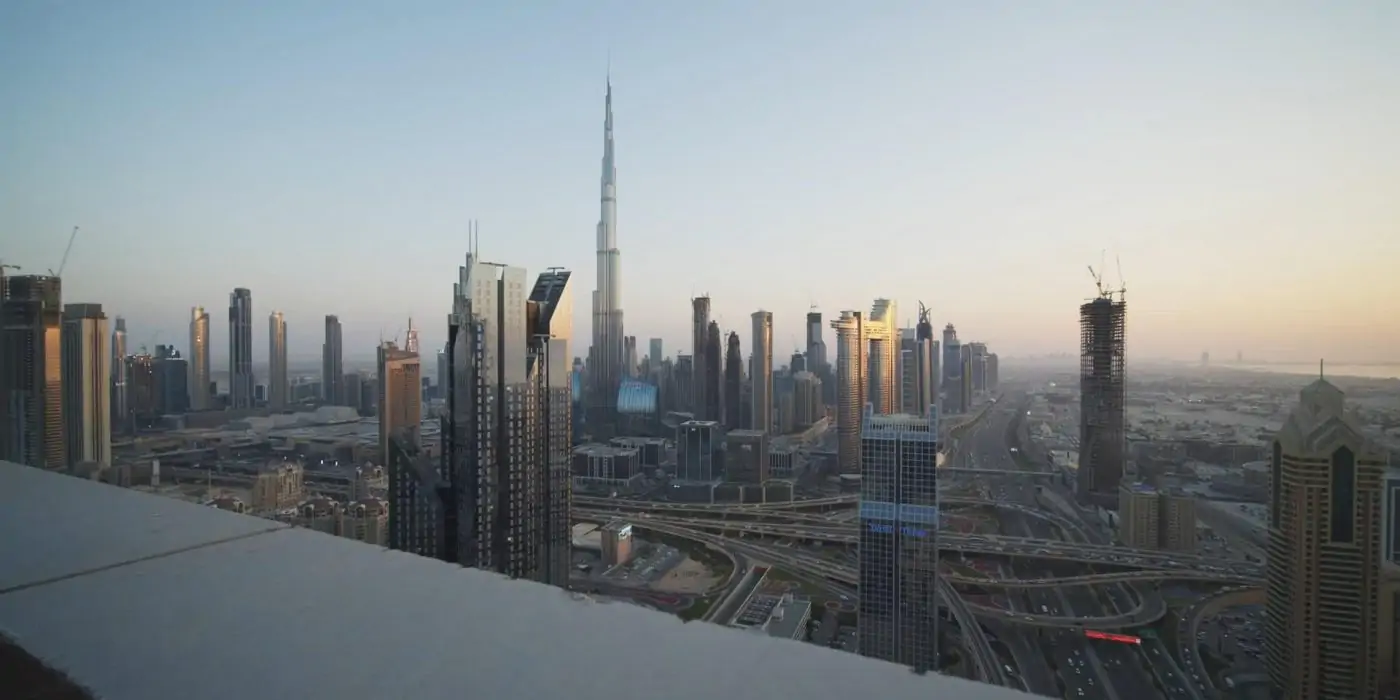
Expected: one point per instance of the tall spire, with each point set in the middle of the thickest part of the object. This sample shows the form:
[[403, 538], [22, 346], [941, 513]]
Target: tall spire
[[607, 352]]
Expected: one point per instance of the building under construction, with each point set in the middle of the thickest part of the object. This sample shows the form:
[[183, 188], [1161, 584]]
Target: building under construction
[[1101, 391]]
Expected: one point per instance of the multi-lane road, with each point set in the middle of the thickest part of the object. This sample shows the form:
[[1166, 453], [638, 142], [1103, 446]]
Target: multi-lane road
[[1088, 668]]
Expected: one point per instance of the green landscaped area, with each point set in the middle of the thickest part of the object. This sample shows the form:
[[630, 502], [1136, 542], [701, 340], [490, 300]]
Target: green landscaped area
[[697, 609]]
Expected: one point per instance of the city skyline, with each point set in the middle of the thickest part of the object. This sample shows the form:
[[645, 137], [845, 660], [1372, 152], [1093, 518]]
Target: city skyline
[[1043, 174]]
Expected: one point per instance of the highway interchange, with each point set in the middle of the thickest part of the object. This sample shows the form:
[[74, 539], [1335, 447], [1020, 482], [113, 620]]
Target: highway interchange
[[1040, 613]]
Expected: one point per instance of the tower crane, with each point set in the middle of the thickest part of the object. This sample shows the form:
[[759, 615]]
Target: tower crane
[[1098, 279], [64, 262], [6, 266]]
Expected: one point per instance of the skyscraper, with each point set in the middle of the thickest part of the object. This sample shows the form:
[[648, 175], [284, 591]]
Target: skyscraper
[[655, 353], [549, 315], [199, 359], [277, 386], [87, 384], [816, 345], [629, 357], [509, 424], [952, 371], [700, 337], [1101, 399], [762, 376], [850, 388], [240, 348], [919, 363], [898, 607], [733, 383], [1320, 635], [121, 373], [883, 333], [31, 384], [400, 400], [714, 377], [333, 365], [172, 376], [606, 354]]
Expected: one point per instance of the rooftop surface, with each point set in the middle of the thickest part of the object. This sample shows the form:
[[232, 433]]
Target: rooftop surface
[[207, 604]]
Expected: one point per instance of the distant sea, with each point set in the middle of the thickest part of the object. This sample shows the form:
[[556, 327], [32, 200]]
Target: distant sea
[[1386, 371]]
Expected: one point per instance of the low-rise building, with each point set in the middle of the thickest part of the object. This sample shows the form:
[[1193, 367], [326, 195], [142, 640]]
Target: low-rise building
[[1153, 519], [617, 543]]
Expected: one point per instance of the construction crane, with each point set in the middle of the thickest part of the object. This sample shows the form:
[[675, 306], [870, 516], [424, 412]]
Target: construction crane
[[1098, 280], [5, 266], [64, 262]]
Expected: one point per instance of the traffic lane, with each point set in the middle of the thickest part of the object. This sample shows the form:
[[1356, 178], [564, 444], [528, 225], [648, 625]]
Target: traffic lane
[[1028, 644], [1174, 682], [1073, 601]]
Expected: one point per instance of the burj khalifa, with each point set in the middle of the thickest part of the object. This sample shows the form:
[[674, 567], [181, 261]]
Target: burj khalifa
[[606, 355]]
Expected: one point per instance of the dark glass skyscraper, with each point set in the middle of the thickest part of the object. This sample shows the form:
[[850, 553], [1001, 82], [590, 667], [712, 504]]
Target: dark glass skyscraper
[[333, 366], [240, 348], [898, 608]]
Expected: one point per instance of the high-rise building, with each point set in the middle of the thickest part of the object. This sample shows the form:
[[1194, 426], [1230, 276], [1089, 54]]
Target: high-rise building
[[400, 401], [918, 366], [410, 338], [31, 381], [240, 348], [606, 355], [746, 456], [897, 618], [333, 365], [965, 380], [714, 377], [277, 386], [121, 408], [850, 388], [952, 371], [1321, 633], [655, 353], [199, 378], [700, 337], [441, 378], [816, 345], [993, 372], [1101, 399], [550, 314], [978, 354], [882, 330], [733, 383], [629, 357], [509, 425], [696, 444], [762, 376], [807, 404], [171, 375], [87, 384]]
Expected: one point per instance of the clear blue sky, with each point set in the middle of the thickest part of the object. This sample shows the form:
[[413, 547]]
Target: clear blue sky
[[1241, 157]]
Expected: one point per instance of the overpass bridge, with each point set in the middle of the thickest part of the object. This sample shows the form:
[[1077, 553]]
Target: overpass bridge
[[1143, 614], [998, 472], [987, 545], [1105, 578]]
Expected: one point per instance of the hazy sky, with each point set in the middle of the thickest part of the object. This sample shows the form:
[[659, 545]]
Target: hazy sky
[[1240, 157]]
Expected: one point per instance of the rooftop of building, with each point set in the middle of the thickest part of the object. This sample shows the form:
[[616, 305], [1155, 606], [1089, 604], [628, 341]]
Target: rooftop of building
[[598, 449], [746, 434], [86, 568]]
